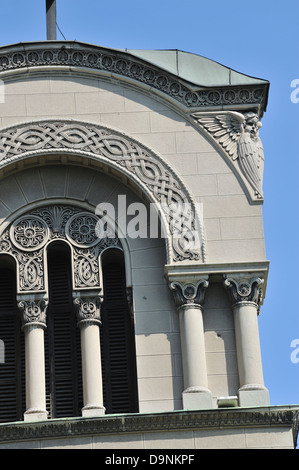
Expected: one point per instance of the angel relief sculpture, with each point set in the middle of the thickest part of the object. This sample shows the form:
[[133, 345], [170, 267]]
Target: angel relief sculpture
[[238, 135]]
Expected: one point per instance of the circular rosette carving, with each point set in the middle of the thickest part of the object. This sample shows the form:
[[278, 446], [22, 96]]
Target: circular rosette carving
[[81, 230], [29, 233]]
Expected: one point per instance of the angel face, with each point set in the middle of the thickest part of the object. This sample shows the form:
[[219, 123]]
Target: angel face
[[252, 125]]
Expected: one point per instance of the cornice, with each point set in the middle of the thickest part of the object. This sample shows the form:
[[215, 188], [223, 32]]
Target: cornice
[[154, 422], [187, 273], [123, 66]]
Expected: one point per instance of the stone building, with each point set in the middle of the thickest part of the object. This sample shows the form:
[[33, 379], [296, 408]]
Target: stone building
[[132, 255]]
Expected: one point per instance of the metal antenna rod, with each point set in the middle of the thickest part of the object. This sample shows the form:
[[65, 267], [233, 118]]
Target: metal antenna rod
[[51, 20]]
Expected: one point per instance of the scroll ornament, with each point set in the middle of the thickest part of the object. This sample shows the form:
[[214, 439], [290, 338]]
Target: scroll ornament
[[245, 289], [189, 294], [33, 311], [88, 309]]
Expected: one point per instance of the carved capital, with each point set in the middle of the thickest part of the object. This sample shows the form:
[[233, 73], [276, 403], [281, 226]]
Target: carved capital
[[189, 294], [244, 288], [88, 309], [33, 311]]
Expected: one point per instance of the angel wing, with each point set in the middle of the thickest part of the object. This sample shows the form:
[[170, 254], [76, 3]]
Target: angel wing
[[251, 158], [260, 159], [225, 127]]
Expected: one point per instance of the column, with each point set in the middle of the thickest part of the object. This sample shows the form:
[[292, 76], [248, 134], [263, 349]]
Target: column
[[245, 293], [89, 320], [189, 298], [33, 311]]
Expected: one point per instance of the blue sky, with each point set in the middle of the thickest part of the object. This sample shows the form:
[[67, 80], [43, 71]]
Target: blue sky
[[255, 38]]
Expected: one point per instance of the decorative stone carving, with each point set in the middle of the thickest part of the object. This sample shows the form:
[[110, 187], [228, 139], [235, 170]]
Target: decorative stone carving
[[27, 237], [244, 288], [56, 218], [80, 229], [31, 264], [88, 309], [31, 270], [33, 311], [86, 268], [131, 68], [184, 228], [29, 233], [189, 294], [238, 135]]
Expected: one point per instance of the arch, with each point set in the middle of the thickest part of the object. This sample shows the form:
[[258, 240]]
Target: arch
[[27, 238], [180, 216]]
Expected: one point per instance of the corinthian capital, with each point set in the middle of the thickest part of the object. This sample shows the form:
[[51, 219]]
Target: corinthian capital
[[244, 287], [189, 293], [88, 309], [33, 311]]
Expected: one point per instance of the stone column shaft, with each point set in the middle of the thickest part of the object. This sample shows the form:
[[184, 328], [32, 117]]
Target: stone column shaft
[[248, 344], [35, 370], [88, 314], [34, 322], [189, 299], [193, 346], [245, 292]]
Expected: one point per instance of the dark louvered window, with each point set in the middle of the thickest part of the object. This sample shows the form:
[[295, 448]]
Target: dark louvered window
[[117, 339], [12, 363], [62, 339]]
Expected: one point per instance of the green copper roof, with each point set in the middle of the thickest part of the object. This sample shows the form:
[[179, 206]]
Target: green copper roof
[[194, 68]]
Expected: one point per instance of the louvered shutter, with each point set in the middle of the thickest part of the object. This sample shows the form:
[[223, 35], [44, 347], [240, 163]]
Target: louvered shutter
[[118, 343], [63, 359], [12, 371]]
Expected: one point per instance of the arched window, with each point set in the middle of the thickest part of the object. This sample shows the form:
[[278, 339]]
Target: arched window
[[12, 364], [62, 339], [117, 339]]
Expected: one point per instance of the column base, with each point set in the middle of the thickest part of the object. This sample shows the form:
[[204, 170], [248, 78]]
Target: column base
[[253, 395], [197, 398], [92, 411], [34, 414]]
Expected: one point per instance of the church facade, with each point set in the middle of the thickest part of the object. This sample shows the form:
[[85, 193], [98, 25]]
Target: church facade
[[132, 254]]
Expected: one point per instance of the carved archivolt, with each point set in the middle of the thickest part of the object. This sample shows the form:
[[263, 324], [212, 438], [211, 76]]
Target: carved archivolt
[[157, 179], [28, 236]]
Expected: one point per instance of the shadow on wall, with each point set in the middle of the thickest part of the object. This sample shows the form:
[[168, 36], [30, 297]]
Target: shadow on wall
[[220, 342]]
